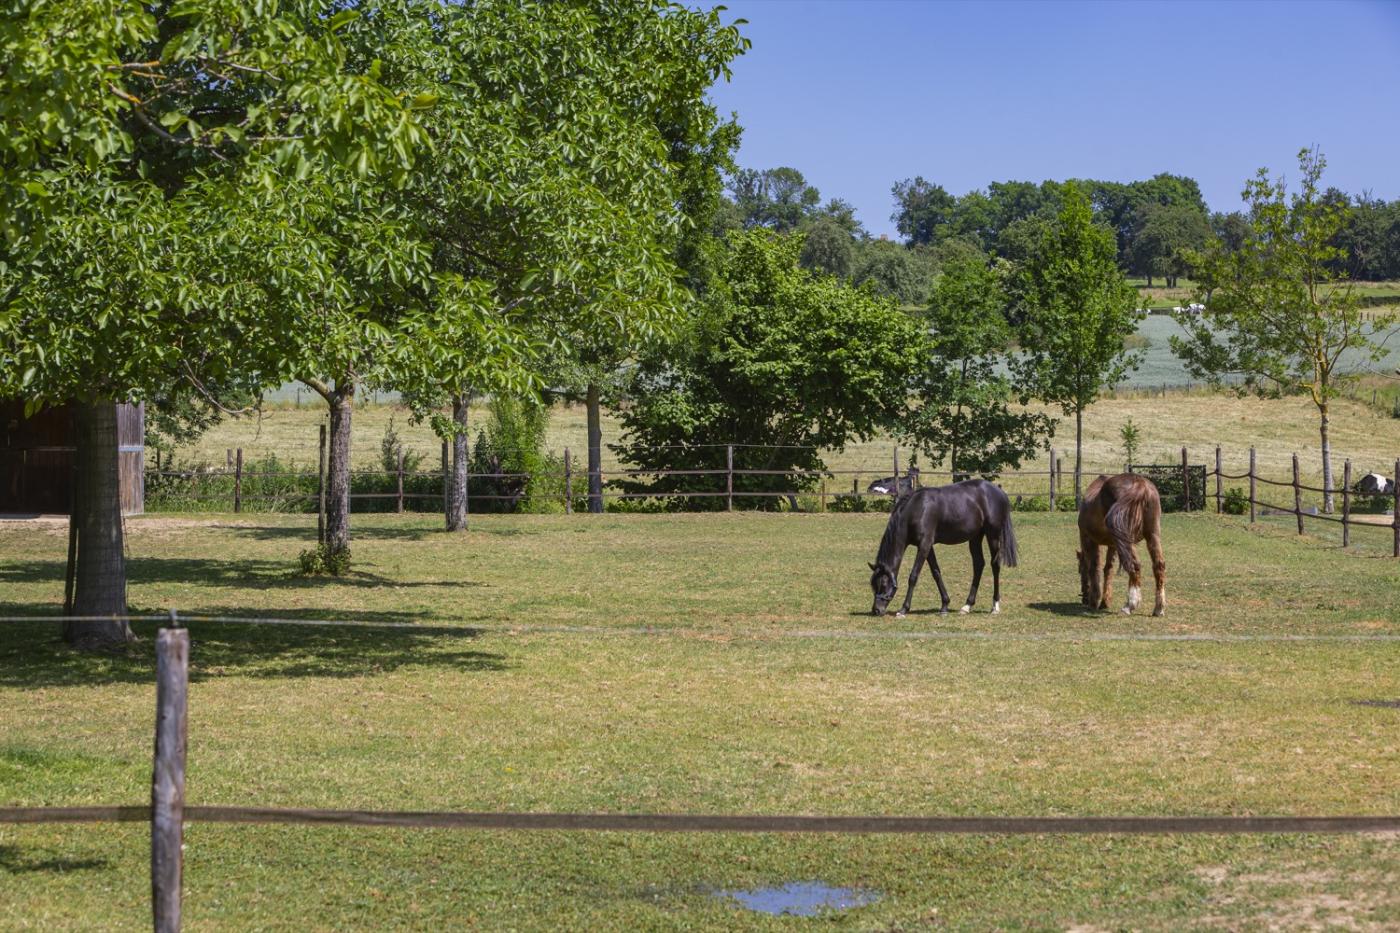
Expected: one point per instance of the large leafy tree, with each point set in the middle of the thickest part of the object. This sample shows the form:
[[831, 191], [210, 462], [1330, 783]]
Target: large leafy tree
[[972, 416], [133, 136], [922, 209], [779, 362], [1163, 237], [1279, 313], [777, 198], [1077, 310]]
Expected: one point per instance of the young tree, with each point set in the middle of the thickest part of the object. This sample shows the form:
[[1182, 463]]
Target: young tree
[[1078, 309], [1279, 313], [967, 418], [780, 363]]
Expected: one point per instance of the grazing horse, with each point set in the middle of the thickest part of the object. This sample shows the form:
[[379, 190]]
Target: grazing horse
[[968, 511], [1117, 512]]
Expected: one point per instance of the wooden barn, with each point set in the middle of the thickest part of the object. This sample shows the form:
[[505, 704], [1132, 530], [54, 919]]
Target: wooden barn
[[36, 459]]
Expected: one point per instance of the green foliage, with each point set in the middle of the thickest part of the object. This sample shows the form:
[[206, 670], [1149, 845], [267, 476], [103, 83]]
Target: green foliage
[[514, 444], [1131, 436], [1031, 503], [1235, 501], [854, 502], [323, 560], [827, 247], [1164, 237], [967, 418], [780, 362], [391, 447], [777, 198], [893, 271]]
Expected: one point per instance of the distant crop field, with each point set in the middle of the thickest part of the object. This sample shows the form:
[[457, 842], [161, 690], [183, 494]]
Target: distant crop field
[[713, 664]]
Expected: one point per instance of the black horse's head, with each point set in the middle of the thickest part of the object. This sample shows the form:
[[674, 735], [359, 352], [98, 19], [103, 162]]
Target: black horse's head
[[883, 585]]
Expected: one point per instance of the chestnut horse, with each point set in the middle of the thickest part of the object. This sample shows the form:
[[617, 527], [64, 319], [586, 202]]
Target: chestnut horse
[[1117, 512]]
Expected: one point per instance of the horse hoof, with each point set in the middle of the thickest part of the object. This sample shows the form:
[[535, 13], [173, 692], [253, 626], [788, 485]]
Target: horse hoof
[[1127, 611], [1159, 612], [996, 608], [964, 610], [943, 611], [899, 615]]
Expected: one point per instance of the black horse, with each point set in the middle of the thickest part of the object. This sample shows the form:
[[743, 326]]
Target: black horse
[[966, 511]]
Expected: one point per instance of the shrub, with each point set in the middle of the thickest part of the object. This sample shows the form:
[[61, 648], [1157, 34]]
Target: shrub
[[1031, 504], [854, 502], [1066, 504], [322, 560], [1236, 502]]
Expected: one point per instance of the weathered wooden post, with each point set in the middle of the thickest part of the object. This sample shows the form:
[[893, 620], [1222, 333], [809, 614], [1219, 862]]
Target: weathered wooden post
[[1052, 479], [1346, 503], [238, 481], [446, 482], [1395, 519], [823, 499], [168, 775], [1251, 485], [568, 483], [1218, 498], [321, 492], [894, 490], [1185, 483], [398, 483], [1297, 496], [228, 459], [729, 478]]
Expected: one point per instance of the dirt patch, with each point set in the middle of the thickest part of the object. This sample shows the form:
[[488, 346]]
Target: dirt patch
[[1301, 899]]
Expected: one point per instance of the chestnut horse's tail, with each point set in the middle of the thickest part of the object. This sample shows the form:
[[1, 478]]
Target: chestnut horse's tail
[[1136, 507]]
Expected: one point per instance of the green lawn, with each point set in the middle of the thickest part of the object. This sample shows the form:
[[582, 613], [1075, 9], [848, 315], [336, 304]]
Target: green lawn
[[710, 663]]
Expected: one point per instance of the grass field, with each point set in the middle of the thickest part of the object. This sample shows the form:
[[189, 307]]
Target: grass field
[[718, 664]]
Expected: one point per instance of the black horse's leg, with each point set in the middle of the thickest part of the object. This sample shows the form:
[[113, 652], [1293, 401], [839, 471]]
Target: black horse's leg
[[996, 576], [938, 578], [978, 562], [920, 555]]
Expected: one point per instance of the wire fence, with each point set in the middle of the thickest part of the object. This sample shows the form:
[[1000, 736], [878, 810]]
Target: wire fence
[[1183, 486]]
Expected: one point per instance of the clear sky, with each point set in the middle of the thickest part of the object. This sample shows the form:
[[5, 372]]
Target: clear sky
[[858, 95]]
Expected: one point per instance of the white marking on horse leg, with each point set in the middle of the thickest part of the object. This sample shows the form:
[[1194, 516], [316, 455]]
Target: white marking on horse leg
[[1134, 597], [1161, 607], [996, 607], [965, 609], [899, 614]]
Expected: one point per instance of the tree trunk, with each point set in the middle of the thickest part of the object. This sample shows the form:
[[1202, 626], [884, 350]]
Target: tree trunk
[[1326, 459], [457, 488], [1078, 452], [342, 406], [595, 450], [100, 574]]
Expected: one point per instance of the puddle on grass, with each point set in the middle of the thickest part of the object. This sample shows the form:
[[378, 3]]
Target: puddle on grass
[[800, 898]]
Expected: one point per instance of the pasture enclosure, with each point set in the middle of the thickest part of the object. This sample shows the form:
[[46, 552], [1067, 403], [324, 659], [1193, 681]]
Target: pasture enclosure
[[756, 687]]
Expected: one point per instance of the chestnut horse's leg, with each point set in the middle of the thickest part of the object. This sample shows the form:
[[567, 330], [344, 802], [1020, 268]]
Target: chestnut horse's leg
[[921, 554], [1159, 569], [1107, 576], [1134, 583]]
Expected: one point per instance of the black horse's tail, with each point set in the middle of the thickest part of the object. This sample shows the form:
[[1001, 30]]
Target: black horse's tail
[[1008, 538]]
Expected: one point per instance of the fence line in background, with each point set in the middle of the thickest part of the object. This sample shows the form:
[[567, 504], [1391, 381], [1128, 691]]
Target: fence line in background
[[1189, 476], [167, 813]]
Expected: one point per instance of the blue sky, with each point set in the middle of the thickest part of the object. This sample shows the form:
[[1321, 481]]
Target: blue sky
[[858, 95]]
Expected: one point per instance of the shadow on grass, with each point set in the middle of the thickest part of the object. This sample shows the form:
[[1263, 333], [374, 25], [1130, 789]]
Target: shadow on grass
[[13, 861], [244, 574], [1076, 610], [32, 654]]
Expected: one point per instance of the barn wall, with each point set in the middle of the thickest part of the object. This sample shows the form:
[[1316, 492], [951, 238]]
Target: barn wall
[[36, 459]]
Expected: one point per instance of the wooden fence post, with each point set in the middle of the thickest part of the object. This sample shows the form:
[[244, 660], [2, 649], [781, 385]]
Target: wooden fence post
[[228, 459], [1395, 520], [238, 481], [1346, 503], [168, 775], [321, 492], [1185, 483], [1297, 495], [729, 478], [398, 477], [1218, 470], [568, 483], [823, 499], [446, 480], [1052, 479], [894, 491], [1251, 485]]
